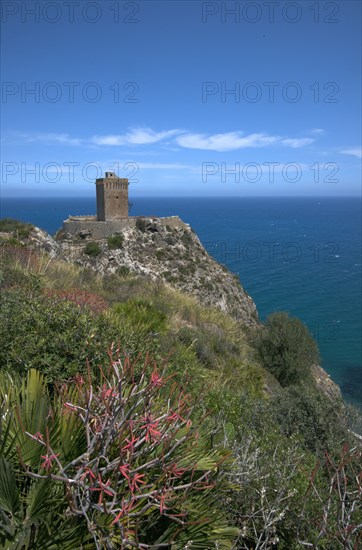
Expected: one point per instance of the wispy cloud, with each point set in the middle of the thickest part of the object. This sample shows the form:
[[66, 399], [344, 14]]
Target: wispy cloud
[[318, 131], [222, 142], [64, 139], [164, 166], [295, 143], [136, 136], [229, 141], [355, 152]]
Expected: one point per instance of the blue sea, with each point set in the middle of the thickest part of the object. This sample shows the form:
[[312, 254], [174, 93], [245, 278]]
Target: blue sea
[[300, 255]]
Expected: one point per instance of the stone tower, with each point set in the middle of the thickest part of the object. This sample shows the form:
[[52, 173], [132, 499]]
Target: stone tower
[[112, 197]]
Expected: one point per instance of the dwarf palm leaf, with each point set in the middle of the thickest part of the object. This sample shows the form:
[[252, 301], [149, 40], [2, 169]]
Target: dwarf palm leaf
[[32, 510]]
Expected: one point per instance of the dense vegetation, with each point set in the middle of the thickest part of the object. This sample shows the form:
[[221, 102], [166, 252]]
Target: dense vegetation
[[133, 417], [17, 228]]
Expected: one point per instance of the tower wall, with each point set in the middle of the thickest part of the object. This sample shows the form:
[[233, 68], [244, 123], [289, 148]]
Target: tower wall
[[101, 215], [112, 197]]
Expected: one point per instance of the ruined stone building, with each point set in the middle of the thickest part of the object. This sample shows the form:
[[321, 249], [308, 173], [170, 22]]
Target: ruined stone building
[[112, 212]]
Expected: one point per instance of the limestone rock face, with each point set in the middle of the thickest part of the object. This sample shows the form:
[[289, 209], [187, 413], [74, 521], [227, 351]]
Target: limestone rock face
[[171, 253], [42, 240], [325, 384]]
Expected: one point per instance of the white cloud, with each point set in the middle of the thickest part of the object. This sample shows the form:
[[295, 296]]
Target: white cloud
[[164, 166], [65, 139], [225, 142], [236, 140], [295, 143], [136, 136], [107, 140], [356, 152], [228, 141], [318, 131]]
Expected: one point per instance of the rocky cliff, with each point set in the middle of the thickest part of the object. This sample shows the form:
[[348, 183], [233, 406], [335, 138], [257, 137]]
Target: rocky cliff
[[155, 249]]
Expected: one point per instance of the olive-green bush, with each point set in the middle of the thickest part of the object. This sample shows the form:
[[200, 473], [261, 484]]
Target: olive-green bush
[[92, 249], [286, 348]]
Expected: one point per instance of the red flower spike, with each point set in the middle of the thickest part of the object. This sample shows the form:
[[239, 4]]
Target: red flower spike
[[47, 464], [130, 443], [175, 470], [126, 508], [39, 436], [88, 473], [79, 380], [124, 469], [103, 489], [162, 499], [156, 379], [108, 392], [174, 417], [136, 482], [151, 427]]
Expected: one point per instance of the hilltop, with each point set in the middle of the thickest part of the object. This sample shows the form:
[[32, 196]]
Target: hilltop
[[162, 249]]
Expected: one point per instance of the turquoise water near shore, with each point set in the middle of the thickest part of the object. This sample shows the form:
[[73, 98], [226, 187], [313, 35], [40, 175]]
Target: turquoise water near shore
[[301, 255]]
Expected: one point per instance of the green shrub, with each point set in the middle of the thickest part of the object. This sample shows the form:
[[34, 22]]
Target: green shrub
[[187, 270], [115, 241], [11, 241], [142, 315], [123, 271], [57, 336], [186, 239], [287, 349], [161, 254], [141, 224], [170, 240], [13, 276], [306, 412], [19, 229], [92, 249]]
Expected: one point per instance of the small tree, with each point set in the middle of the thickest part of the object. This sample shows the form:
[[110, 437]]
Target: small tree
[[115, 241], [141, 224], [92, 249], [287, 349]]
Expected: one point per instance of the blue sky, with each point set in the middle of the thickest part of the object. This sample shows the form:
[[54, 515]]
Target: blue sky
[[184, 98]]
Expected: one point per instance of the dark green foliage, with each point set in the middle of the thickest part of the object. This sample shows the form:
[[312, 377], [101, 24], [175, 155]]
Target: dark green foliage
[[186, 239], [37, 332], [161, 254], [13, 275], [286, 348], [170, 240], [115, 241], [187, 270], [92, 249], [319, 421], [19, 229], [141, 224], [142, 315], [123, 271], [57, 337]]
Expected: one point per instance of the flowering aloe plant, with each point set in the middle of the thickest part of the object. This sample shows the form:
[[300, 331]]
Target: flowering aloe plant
[[125, 457]]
